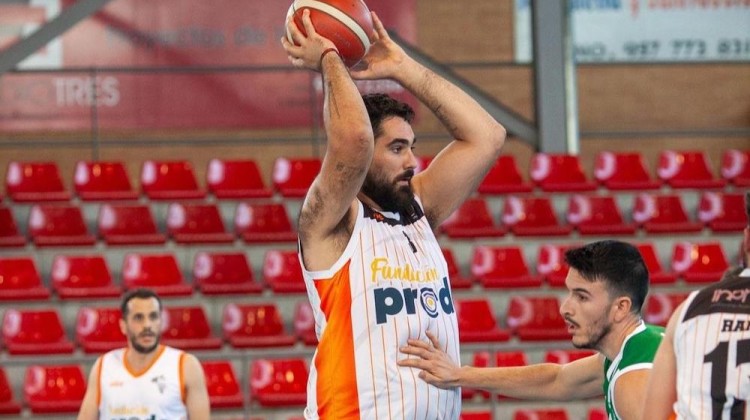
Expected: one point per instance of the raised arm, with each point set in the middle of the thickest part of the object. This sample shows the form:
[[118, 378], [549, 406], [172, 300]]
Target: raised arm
[[582, 378], [661, 392], [459, 168], [329, 208], [196, 395], [90, 404]]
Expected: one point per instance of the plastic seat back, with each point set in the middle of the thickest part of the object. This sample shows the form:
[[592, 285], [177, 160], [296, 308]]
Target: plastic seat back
[[235, 179], [254, 326], [83, 277], [471, 220], [699, 263], [20, 280], [551, 264], [58, 226], [221, 383], [458, 281], [532, 216], [504, 177], [187, 327], [663, 214], [8, 403], [722, 212], [660, 306], [128, 225], [34, 182], [196, 223], [536, 318], [502, 267], [282, 271], [169, 180], [159, 272], [9, 234], [597, 215], [280, 382], [735, 167], [260, 223], [559, 172], [216, 273], [687, 169], [98, 329], [501, 359], [54, 389], [103, 181], [37, 331], [292, 177], [477, 322], [623, 171]]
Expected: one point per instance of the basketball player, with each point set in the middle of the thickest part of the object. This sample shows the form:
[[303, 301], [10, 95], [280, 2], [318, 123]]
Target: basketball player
[[607, 284], [374, 271], [702, 368], [145, 380]]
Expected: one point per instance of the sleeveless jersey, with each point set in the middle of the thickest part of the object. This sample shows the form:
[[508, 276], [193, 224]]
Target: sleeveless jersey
[[157, 393], [389, 285], [637, 352], [712, 351]]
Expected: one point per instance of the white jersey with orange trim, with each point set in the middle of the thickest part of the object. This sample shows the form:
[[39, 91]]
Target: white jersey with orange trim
[[389, 285], [155, 393], [712, 351]]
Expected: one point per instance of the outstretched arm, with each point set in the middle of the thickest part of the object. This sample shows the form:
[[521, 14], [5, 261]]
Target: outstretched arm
[[460, 167], [196, 395], [661, 392], [90, 404], [582, 378], [327, 213]]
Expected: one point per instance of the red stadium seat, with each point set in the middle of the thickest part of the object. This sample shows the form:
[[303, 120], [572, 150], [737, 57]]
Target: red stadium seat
[[169, 180], [663, 214], [98, 329], [223, 273], [9, 234], [97, 181], [722, 212], [502, 359], [699, 263], [282, 271], [304, 323], [35, 181], [19, 280], [566, 356], [551, 264], [292, 177], [504, 177], [659, 306], [477, 323], [224, 390], [422, 163], [58, 226], [541, 414], [278, 383], [687, 169], [261, 223], [35, 332], [187, 328], [54, 389], [735, 167], [157, 272], [83, 277], [477, 415], [597, 215], [502, 267], [235, 179], [656, 273], [196, 223], [128, 225], [536, 318], [472, 220], [8, 404], [254, 326], [458, 281], [559, 172], [598, 413], [623, 171], [532, 216]]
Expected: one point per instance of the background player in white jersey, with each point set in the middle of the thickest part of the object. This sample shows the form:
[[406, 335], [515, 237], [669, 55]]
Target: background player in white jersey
[[702, 368], [607, 285], [146, 380], [373, 269]]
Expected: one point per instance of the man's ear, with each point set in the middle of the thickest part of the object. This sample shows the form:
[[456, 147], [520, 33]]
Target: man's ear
[[621, 308], [123, 327]]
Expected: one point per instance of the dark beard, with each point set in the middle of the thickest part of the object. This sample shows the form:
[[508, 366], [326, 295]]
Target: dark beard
[[141, 349], [593, 343], [385, 195]]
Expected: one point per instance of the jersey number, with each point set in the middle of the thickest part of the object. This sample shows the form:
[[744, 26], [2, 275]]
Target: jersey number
[[718, 358]]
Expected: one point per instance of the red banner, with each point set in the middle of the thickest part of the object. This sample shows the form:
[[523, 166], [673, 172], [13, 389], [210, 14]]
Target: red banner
[[171, 33]]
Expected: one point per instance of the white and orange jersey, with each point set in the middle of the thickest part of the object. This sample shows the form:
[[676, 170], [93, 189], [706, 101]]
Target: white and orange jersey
[[155, 393], [712, 351], [389, 285]]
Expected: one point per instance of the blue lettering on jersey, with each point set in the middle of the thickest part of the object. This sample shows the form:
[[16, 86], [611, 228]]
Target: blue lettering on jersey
[[391, 301]]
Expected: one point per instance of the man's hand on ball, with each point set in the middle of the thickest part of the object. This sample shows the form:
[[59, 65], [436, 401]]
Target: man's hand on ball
[[305, 51], [383, 57]]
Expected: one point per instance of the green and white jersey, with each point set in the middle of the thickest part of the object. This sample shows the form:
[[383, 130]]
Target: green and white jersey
[[637, 352]]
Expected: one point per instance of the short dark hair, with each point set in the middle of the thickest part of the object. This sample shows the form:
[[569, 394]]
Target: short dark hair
[[618, 264], [381, 106], [140, 293]]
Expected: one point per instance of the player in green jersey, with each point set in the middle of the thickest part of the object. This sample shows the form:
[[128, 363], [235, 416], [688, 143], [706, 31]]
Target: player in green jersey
[[607, 285]]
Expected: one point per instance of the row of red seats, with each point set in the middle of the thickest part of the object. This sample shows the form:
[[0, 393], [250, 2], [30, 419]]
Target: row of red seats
[[217, 273], [597, 215], [170, 180], [134, 224], [527, 318], [58, 389], [187, 223]]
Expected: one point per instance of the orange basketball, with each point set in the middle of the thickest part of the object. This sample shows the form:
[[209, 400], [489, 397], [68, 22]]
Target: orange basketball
[[347, 23]]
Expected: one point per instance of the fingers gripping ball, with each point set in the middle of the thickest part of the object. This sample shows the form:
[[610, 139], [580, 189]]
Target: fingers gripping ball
[[347, 23]]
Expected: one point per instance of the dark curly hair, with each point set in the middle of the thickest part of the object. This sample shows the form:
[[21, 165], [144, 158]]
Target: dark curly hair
[[139, 293], [381, 106]]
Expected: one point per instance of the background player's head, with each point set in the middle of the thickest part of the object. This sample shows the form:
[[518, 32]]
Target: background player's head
[[141, 319], [388, 180], [607, 284]]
